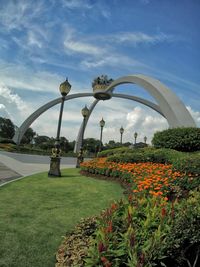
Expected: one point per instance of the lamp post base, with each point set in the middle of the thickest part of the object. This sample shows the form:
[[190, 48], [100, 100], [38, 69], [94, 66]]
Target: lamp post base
[[54, 167]]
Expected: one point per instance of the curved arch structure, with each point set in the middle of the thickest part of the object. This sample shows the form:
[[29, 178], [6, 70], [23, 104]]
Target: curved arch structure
[[134, 98], [25, 125], [169, 105], [22, 129]]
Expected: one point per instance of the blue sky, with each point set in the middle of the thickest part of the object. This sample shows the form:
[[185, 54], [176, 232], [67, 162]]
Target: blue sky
[[44, 41]]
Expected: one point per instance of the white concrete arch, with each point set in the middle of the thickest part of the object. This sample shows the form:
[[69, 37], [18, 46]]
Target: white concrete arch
[[26, 124], [170, 105]]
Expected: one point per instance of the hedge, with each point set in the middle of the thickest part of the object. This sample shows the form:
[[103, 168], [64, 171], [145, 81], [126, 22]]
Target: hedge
[[181, 139]]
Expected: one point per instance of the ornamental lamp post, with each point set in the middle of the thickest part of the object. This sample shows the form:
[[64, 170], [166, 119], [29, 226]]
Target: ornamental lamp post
[[85, 113], [121, 132], [135, 136], [64, 88], [102, 124]]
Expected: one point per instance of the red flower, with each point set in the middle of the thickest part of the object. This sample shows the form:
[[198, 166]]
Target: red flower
[[101, 247], [129, 218], [130, 198], [103, 259], [114, 206], [172, 210], [106, 262], [163, 212], [109, 228], [132, 240]]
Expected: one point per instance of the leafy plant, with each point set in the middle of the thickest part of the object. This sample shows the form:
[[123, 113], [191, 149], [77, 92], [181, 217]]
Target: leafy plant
[[147, 232], [182, 247], [181, 139], [189, 164]]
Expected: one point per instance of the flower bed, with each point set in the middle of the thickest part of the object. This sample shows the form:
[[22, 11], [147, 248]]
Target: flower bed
[[147, 229], [147, 232], [150, 227], [150, 178]]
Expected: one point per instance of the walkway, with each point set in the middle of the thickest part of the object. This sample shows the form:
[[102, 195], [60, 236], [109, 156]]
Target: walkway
[[15, 165]]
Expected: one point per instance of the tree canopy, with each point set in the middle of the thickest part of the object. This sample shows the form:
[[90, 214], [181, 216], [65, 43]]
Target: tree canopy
[[7, 128]]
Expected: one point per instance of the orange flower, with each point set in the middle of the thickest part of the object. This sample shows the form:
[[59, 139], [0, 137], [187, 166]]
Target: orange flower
[[153, 178], [114, 206]]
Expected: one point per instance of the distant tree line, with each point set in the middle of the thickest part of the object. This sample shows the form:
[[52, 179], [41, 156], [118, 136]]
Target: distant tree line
[[32, 139]]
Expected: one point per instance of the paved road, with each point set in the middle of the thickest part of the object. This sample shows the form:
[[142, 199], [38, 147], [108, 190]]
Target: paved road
[[27, 158], [13, 165]]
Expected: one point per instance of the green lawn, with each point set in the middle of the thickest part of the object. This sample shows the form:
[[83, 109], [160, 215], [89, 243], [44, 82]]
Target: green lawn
[[35, 213]]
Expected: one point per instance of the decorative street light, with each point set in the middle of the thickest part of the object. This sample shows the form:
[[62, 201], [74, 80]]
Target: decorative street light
[[135, 136], [85, 112], [121, 132], [102, 124], [55, 157], [145, 139]]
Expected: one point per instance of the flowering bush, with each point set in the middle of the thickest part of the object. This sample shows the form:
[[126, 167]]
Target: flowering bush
[[140, 233]]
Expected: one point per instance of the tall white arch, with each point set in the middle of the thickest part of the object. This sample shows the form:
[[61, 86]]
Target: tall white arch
[[171, 106], [168, 104]]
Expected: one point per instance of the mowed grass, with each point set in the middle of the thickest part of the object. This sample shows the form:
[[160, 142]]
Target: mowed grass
[[37, 211]]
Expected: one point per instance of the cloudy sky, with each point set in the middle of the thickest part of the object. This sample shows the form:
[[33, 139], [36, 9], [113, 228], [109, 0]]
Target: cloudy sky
[[44, 41]]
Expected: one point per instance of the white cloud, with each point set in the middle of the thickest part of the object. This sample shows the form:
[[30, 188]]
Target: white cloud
[[76, 4], [13, 106], [82, 47], [12, 98], [33, 40], [4, 112], [73, 43], [134, 117], [136, 38], [98, 50], [110, 59], [195, 115], [18, 14], [145, 122], [19, 76]]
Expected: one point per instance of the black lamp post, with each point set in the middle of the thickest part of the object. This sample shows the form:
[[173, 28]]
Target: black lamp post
[[145, 139], [55, 157], [85, 112], [102, 124], [135, 136], [121, 132]]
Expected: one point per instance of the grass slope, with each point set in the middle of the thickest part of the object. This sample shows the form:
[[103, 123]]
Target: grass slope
[[35, 213]]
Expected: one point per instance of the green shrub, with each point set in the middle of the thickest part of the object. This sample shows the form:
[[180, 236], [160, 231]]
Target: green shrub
[[181, 139], [183, 243], [109, 152], [189, 164], [7, 147], [126, 158], [6, 141], [146, 155]]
